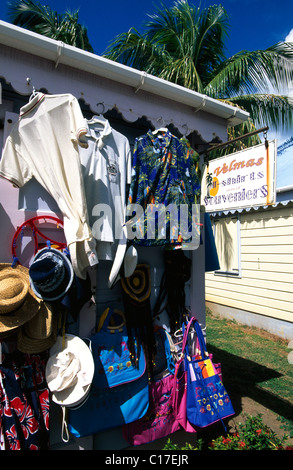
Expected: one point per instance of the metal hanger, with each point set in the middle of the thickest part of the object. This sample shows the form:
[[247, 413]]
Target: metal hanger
[[34, 92]]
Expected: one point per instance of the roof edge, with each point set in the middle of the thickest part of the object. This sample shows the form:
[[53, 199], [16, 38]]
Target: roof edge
[[61, 53]]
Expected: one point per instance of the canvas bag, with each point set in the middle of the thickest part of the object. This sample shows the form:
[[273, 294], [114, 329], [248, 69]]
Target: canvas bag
[[207, 400], [167, 409], [119, 393]]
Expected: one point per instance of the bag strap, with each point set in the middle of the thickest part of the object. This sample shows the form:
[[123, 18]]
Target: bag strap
[[64, 426], [201, 341], [164, 335], [185, 332], [104, 322]]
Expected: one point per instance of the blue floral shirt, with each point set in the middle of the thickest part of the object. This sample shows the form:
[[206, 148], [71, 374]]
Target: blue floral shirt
[[163, 173]]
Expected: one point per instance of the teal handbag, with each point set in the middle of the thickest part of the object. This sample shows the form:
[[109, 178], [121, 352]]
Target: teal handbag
[[119, 393]]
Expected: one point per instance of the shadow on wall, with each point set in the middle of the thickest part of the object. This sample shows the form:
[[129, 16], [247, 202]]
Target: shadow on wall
[[7, 232]]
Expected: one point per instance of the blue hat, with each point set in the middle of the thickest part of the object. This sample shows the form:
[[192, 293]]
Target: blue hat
[[51, 274]]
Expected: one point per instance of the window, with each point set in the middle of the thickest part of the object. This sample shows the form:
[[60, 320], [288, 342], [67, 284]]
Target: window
[[227, 239]]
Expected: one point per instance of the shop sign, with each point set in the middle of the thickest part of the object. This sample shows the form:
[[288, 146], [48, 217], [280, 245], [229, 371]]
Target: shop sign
[[242, 179]]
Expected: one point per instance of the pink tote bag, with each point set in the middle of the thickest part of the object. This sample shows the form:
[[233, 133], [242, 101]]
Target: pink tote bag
[[166, 413]]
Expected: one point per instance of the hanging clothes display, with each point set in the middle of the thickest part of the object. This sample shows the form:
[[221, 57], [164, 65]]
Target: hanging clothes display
[[44, 145], [106, 169], [33, 301], [163, 174], [86, 165], [24, 402]]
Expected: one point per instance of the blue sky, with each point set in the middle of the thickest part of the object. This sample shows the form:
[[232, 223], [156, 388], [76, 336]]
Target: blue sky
[[254, 24]]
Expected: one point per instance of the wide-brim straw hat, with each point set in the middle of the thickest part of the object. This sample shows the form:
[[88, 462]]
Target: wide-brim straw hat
[[18, 304], [39, 334]]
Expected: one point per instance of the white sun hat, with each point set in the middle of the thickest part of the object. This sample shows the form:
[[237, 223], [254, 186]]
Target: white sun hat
[[70, 371]]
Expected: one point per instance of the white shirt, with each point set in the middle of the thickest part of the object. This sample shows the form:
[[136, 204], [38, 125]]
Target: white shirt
[[44, 144], [106, 169]]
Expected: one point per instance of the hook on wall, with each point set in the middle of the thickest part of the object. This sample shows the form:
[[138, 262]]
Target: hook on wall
[[102, 105], [29, 83], [185, 126]]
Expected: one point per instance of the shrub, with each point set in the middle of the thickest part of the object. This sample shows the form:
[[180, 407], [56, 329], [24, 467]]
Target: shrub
[[252, 434], [171, 446]]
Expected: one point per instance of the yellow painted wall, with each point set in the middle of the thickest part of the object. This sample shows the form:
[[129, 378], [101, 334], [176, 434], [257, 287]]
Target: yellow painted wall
[[266, 282]]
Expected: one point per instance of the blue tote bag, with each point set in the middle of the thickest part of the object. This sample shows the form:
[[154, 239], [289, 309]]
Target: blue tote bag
[[207, 399], [119, 393]]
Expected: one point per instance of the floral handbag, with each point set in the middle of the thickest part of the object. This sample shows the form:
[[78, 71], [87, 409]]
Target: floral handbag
[[119, 393]]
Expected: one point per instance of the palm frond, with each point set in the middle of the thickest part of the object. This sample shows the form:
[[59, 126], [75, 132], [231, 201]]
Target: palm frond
[[182, 72], [33, 16], [191, 34], [186, 45], [134, 50], [41, 19], [250, 72], [242, 129], [271, 110]]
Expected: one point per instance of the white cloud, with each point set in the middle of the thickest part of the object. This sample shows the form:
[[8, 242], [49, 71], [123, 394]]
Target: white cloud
[[289, 38]]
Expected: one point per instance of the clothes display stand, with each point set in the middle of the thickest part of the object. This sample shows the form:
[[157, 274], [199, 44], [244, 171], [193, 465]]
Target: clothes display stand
[[95, 176]]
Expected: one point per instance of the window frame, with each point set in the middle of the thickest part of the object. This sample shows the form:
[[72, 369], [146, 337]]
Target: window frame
[[223, 272]]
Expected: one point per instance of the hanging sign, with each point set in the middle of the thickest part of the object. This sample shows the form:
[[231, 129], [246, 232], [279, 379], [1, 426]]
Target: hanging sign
[[242, 179]]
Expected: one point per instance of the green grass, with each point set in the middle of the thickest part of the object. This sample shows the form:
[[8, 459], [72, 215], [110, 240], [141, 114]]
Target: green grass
[[254, 364]]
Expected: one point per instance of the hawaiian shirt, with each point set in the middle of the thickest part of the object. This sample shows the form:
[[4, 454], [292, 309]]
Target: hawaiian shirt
[[195, 158], [163, 174]]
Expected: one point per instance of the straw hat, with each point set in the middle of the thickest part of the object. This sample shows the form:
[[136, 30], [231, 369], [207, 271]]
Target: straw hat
[[18, 304], [51, 274], [69, 371], [38, 334]]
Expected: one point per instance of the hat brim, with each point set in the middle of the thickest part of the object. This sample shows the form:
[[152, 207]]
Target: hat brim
[[67, 282], [25, 312], [39, 343], [73, 396]]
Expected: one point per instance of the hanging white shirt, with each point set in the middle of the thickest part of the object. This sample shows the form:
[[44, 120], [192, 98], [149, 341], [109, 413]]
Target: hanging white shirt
[[106, 169], [44, 144]]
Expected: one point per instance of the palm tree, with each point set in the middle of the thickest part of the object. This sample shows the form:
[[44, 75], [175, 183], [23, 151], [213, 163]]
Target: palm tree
[[41, 19], [186, 45]]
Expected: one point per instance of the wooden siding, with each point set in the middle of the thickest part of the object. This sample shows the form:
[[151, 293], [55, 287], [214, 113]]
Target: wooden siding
[[266, 282]]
